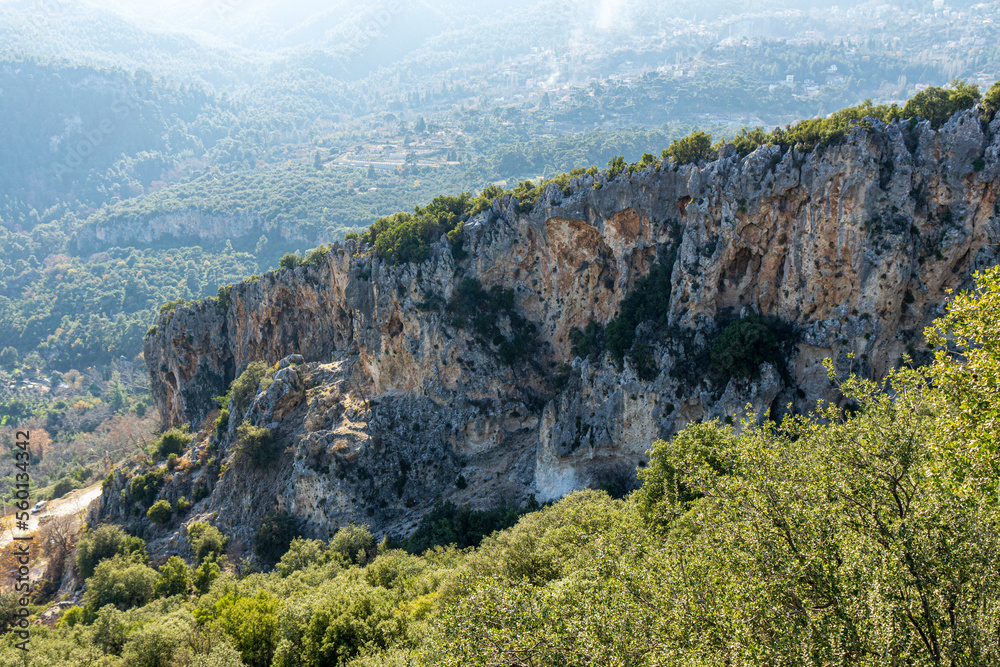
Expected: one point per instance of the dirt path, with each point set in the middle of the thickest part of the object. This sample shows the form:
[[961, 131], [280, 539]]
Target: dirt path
[[72, 503]]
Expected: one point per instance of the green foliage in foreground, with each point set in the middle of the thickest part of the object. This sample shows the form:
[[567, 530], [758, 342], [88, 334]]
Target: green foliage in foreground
[[849, 537]]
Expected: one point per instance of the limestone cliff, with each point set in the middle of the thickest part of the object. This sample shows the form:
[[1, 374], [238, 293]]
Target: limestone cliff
[[183, 226], [396, 402]]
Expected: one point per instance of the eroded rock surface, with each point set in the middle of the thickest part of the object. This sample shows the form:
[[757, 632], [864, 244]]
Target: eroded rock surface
[[398, 404]]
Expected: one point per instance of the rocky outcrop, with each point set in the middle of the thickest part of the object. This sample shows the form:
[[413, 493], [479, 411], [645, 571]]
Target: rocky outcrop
[[189, 225], [399, 401]]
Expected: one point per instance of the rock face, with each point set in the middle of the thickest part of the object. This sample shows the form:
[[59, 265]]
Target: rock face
[[189, 225], [396, 400]]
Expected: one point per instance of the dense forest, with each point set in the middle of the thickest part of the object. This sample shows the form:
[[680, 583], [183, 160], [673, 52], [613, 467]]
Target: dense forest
[[856, 536]]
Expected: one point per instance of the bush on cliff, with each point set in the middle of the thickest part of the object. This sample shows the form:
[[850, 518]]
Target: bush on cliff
[[486, 313], [407, 237], [938, 104], [256, 444], [243, 388], [174, 441], [934, 104], [160, 512], [743, 346], [691, 149], [145, 487]]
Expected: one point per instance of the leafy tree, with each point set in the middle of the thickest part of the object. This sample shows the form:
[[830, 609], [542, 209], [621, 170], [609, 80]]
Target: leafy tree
[[110, 630], [62, 487], [175, 578], [207, 542], [289, 261], [743, 346], [616, 166], [301, 554], [355, 544], [207, 572], [120, 581], [690, 149], [103, 542], [272, 539], [352, 620], [990, 102], [251, 623], [222, 655], [9, 357], [938, 104]]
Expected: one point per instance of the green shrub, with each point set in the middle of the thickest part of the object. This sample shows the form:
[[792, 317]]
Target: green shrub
[[272, 539], [354, 619], [120, 581], [743, 346], [204, 575], [589, 342], [649, 300], [256, 444], [316, 256], [938, 104], [175, 578], [251, 623], [666, 491], [991, 101], [8, 611], [484, 200], [158, 644], [170, 306], [289, 261], [160, 512], [110, 629], [473, 307], [690, 149], [62, 487], [351, 236], [133, 547], [174, 441], [355, 544], [183, 505], [144, 488], [301, 554], [462, 526], [222, 655], [207, 542], [407, 237], [243, 388], [94, 546]]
